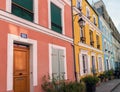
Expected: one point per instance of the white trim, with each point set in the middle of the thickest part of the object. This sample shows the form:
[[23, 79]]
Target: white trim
[[68, 2], [89, 47], [60, 4], [33, 58], [50, 59], [80, 62], [100, 56], [35, 9], [87, 10], [21, 22]]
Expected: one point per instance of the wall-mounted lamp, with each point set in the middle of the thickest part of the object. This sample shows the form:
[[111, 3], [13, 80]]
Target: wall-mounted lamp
[[81, 22]]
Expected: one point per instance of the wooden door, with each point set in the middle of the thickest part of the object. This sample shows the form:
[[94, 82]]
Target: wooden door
[[21, 69]]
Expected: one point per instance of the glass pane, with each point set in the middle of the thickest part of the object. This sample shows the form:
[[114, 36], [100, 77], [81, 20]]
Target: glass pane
[[28, 4], [27, 15], [16, 11], [22, 13]]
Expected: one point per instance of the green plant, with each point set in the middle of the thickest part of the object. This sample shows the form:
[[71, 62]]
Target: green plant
[[61, 86], [91, 80]]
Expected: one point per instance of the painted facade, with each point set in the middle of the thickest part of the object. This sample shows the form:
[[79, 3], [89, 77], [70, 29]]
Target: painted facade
[[46, 39], [107, 44], [107, 28], [87, 40]]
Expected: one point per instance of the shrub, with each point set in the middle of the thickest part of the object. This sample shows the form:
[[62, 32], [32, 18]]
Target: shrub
[[61, 86], [91, 80]]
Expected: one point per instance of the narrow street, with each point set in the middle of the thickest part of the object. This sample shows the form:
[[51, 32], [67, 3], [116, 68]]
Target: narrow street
[[109, 86], [117, 89]]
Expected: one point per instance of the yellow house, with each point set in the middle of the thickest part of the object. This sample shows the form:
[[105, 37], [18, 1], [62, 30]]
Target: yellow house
[[87, 39]]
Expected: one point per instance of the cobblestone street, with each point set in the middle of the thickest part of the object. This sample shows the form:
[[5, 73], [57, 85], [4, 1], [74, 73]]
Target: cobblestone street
[[109, 86], [117, 89]]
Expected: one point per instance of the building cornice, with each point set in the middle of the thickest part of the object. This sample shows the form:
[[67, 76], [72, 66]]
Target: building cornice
[[90, 47], [21, 22]]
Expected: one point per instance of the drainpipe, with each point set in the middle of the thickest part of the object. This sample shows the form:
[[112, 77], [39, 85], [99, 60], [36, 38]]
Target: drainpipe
[[75, 73]]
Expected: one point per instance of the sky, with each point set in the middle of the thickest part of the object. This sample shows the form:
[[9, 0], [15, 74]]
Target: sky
[[113, 8]]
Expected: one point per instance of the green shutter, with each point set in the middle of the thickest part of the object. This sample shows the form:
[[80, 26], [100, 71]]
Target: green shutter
[[27, 4], [56, 24], [23, 9]]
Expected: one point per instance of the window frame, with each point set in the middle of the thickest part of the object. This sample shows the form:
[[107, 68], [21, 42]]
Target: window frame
[[50, 59], [87, 11], [100, 64], [79, 1], [35, 10], [59, 4], [84, 52]]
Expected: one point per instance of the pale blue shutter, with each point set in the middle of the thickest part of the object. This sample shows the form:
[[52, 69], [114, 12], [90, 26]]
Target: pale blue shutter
[[55, 66], [62, 64]]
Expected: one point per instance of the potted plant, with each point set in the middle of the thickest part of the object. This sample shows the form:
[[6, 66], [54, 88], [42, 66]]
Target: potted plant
[[90, 82], [102, 77]]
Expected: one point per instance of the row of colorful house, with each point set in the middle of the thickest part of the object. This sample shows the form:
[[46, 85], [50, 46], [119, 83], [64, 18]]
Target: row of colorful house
[[62, 39]]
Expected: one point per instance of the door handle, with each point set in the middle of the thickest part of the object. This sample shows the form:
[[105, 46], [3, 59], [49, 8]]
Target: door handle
[[20, 73]]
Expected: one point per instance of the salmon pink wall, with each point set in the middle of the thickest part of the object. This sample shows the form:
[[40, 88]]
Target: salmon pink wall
[[3, 56], [2, 4], [43, 42], [68, 21], [43, 13]]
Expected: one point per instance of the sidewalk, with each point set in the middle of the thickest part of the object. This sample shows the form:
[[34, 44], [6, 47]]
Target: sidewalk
[[108, 86]]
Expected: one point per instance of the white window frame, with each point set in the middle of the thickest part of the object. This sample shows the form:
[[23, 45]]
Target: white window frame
[[83, 52], [80, 3], [100, 70], [60, 4], [35, 9], [87, 9], [50, 59]]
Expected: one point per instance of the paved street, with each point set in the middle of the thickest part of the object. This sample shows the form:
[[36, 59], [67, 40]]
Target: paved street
[[108, 86], [117, 89]]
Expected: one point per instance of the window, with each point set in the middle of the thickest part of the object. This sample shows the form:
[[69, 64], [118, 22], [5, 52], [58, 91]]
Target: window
[[93, 65], [105, 46], [82, 35], [88, 12], [94, 21], [91, 38], [97, 40], [100, 67], [23, 9], [56, 18], [58, 64], [79, 4], [84, 63], [107, 64]]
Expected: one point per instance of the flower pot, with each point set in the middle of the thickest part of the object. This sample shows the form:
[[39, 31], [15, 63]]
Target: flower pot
[[90, 88]]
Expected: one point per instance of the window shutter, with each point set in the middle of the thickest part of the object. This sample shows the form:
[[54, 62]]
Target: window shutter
[[81, 64], [55, 63], [62, 63], [88, 60], [56, 24], [23, 9], [27, 4], [86, 63]]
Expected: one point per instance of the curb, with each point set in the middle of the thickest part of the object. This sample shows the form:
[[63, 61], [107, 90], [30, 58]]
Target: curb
[[115, 87]]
